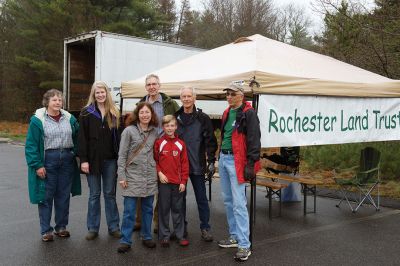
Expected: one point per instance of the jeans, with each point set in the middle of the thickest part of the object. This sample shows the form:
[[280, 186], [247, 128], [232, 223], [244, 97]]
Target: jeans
[[59, 165], [109, 178], [235, 201], [199, 188], [128, 220]]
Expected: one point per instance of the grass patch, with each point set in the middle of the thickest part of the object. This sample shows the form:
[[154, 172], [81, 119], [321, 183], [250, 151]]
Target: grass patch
[[387, 188], [13, 130], [18, 138]]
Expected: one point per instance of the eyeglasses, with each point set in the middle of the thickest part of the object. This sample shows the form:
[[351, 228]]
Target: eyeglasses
[[232, 94], [151, 84]]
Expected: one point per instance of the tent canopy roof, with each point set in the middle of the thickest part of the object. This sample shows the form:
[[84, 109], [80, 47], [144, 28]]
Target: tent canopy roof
[[278, 68]]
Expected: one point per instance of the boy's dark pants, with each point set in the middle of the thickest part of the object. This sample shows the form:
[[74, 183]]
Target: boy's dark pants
[[170, 200]]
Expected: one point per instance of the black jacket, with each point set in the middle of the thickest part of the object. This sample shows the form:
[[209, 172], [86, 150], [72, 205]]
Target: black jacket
[[198, 134], [92, 141]]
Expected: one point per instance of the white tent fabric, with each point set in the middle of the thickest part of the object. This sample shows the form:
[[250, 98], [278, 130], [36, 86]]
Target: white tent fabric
[[278, 68]]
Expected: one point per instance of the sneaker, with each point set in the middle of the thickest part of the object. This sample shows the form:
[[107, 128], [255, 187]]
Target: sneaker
[[164, 243], [62, 233], [115, 234], [91, 235], [184, 242], [228, 243], [206, 235], [242, 254], [47, 237], [123, 248], [149, 243]]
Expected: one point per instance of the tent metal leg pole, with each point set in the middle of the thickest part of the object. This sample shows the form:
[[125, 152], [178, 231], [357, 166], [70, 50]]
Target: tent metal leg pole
[[209, 189], [378, 197], [252, 210], [269, 202], [305, 198], [253, 187]]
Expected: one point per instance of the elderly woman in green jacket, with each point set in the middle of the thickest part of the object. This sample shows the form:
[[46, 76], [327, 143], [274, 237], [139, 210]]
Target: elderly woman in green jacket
[[52, 170]]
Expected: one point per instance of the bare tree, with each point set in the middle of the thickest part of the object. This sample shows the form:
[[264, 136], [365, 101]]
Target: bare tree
[[293, 26]]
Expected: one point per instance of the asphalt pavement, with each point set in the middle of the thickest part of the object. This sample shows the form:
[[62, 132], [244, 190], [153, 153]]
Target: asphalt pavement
[[332, 236]]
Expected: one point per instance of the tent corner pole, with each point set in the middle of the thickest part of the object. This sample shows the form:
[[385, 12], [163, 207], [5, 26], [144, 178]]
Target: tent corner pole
[[253, 187]]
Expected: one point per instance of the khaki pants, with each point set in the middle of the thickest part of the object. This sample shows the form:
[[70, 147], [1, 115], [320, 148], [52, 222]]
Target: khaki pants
[[139, 213]]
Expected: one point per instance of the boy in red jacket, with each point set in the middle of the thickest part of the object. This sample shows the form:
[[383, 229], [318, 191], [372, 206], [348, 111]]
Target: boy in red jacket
[[173, 172]]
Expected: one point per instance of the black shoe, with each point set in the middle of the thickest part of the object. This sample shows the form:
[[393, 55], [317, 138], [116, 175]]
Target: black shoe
[[149, 243], [173, 237], [123, 248], [136, 227], [115, 234], [206, 235], [164, 243], [91, 235]]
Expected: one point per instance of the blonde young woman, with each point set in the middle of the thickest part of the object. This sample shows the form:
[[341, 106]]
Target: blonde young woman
[[99, 136]]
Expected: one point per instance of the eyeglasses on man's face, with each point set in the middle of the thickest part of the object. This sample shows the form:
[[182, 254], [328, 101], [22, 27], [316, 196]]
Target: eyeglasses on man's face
[[232, 94], [151, 84]]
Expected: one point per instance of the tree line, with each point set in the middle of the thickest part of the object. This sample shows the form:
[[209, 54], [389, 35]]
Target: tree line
[[32, 33]]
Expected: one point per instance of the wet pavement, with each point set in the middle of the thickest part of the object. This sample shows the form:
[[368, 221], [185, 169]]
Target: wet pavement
[[332, 236]]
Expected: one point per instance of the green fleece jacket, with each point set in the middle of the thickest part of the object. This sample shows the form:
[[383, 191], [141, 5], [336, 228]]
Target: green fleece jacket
[[169, 105], [34, 155]]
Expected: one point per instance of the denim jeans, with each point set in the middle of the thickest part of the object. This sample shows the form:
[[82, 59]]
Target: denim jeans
[[128, 220], [59, 173], [235, 201], [109, 178], [199, 188]]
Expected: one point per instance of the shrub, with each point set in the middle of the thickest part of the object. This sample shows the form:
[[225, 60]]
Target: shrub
[[327, 157]]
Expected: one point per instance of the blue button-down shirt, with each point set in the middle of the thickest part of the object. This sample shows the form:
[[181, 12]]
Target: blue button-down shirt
[[158, 109]]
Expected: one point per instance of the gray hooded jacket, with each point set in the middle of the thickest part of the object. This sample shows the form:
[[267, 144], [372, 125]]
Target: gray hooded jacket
[[141, 174]]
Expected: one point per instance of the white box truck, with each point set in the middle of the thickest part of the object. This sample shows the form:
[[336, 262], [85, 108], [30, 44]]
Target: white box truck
[[112, 58]]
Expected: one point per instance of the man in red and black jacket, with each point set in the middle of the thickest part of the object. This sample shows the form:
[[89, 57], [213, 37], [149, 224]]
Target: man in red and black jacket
[[238, 162]]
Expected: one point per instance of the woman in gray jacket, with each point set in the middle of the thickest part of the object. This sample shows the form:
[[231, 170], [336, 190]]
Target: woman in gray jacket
[[137, 174]]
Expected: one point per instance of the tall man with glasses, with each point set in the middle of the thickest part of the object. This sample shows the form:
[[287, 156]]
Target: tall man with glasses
[[196, 130], [238, 163], [162, 105]]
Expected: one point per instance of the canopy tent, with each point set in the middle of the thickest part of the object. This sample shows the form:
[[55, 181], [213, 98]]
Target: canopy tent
[[288, 71], [278, 68]]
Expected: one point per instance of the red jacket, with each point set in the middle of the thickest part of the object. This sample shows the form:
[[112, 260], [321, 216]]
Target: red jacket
[[246, 139], [171, 159]]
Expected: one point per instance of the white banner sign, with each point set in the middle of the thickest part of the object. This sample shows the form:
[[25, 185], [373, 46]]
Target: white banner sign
[[288, 120]]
